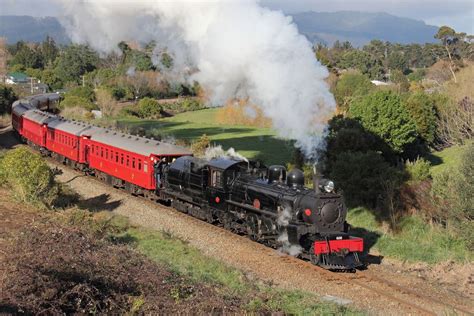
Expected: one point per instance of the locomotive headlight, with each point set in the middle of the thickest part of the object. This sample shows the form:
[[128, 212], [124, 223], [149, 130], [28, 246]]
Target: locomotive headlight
[[329, 186]]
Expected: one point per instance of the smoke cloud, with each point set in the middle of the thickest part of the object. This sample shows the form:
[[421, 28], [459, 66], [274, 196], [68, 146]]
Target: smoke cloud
[[234, 49]]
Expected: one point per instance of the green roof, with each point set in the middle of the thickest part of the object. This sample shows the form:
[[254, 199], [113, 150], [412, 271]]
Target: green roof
[[18, 76]]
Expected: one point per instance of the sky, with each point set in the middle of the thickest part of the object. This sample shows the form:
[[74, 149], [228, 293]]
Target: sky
[[455, 13]]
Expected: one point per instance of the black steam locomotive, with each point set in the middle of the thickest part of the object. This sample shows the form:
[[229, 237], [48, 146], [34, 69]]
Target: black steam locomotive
[[269, 205]]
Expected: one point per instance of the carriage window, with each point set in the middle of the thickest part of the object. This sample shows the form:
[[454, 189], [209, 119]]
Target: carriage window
[[121, 159], [139, 164], [128, 161], [106, 154], [133, 163], [145, 167], [216, 178], [116, 157]]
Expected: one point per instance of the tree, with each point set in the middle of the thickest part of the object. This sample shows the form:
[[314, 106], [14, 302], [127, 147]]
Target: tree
[[75, 61], [384, 114], [362, 176], [350, 86], [7, 97], [106, 102], [50, 78], [49, 51], [348, 135], [166, 60], [363, 61], [451, 40], [26, 56], [397, 61]]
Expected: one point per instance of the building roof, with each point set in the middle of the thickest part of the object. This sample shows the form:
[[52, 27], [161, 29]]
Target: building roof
[[18, 76]]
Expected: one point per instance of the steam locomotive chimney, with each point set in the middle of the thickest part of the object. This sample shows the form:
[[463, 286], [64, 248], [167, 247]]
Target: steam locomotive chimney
[[316, 177]]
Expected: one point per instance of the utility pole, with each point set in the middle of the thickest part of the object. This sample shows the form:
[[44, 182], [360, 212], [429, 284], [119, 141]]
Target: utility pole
[[31, 84], [83, 81]]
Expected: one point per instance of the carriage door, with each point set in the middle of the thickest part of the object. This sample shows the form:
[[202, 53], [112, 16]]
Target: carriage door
[[216, 188]]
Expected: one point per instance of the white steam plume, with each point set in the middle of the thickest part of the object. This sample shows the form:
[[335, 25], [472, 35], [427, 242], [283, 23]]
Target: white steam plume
[[284, 216], [218, 152], [234, 49]]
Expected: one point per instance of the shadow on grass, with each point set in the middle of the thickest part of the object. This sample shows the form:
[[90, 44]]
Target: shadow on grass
[[370, 239], [99, 203]]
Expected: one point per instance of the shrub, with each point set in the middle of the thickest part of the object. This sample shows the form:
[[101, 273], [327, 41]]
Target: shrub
[[82, 92], [29, 176], [148, 107], [189, 104], [417, 75], [400, 80], [453, 189], [72, 101], [384, 114], [418, 169], [362, 177], [199, 147], [422, 109]]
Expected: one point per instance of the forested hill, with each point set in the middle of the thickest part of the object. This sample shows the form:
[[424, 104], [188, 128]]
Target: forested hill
[[357, 27], [360, 28], [31, 29]]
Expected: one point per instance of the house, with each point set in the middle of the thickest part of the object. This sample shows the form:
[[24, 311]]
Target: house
[[16, 78]]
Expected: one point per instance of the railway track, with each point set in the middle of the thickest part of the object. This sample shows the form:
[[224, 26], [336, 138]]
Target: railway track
[[410, 299]]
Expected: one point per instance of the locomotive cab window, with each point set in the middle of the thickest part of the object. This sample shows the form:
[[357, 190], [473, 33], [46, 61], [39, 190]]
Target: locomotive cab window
[[216, 178]]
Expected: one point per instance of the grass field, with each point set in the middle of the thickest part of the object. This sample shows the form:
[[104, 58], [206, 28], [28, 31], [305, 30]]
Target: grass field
[[447, 158], [252, 142], [415, 240]]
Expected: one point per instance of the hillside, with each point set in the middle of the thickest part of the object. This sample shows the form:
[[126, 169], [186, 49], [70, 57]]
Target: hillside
[[327, 27], [360, 28], [31, 29]]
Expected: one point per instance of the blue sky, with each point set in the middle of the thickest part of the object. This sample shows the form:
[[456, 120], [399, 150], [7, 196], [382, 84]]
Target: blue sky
[[456, 13]]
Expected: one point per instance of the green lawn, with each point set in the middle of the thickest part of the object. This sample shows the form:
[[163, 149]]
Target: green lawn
[[446, 158], [252, 142]]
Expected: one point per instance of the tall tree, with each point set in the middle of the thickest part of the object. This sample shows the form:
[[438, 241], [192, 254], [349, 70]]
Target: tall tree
[[75, 61], [49, 50], [451, 41]]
